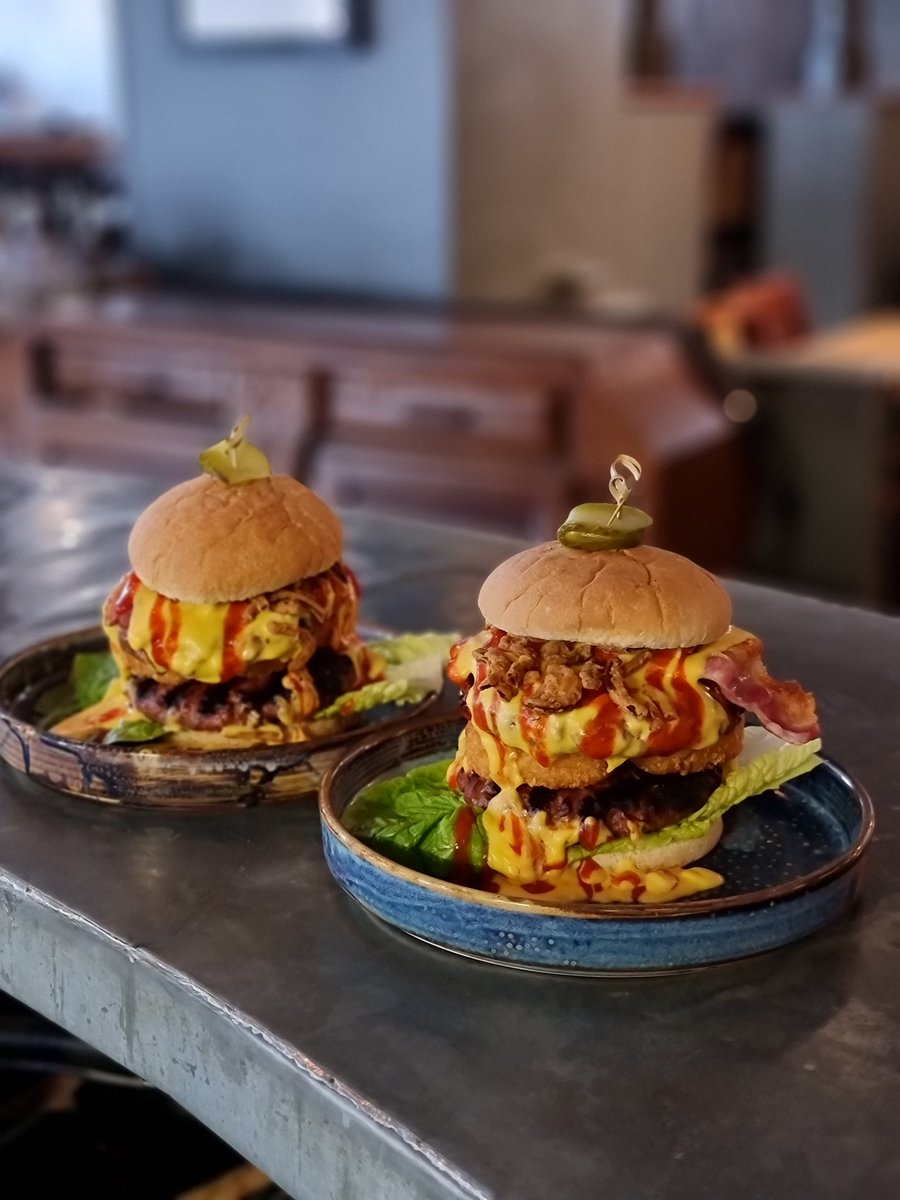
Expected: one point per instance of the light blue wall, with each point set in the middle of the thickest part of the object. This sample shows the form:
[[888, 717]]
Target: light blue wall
[[312, 169], [62, 54]]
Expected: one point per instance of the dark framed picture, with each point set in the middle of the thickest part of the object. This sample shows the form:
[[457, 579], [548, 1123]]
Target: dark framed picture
[[248, 23]]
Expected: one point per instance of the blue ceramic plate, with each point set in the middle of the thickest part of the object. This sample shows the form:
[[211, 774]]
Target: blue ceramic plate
[[791, 860]]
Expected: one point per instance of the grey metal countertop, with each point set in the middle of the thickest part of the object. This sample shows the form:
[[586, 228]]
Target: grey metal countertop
[[212, 954]]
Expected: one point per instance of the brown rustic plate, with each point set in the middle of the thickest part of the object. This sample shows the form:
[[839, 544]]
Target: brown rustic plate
[[151, 775]]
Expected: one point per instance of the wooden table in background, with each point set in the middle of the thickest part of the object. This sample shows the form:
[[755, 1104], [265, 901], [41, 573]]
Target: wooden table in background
[[867, 347], [826, 450], [492, 420]]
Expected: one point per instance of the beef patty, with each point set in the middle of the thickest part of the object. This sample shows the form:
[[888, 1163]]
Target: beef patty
[[212, 706], [629, 797]]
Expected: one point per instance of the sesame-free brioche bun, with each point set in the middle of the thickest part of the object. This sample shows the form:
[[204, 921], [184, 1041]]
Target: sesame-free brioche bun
[[640, 597], [675, 854], [208, 542]]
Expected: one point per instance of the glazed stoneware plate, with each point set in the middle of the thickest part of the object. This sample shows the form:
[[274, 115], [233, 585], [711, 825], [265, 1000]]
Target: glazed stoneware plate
[[791, 860], [151, 775]]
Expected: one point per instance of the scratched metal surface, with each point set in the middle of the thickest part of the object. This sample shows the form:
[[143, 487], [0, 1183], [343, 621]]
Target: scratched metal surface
[[211, 953]]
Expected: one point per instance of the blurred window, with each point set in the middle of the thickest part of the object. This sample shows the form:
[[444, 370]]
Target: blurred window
[[57, 64]]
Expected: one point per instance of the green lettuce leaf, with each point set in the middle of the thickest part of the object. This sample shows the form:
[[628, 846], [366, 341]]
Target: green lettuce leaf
[[371, 695], [89, 677], [414, 819], [138, 730], [765, 762], [410, 646], [416, 663]]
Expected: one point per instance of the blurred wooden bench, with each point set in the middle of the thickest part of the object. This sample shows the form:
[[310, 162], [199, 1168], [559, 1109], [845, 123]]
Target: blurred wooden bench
[[502, 422], [126, 400]]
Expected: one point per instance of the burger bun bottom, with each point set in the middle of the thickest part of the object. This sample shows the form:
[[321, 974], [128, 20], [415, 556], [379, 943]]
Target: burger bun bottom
[[676, 854]]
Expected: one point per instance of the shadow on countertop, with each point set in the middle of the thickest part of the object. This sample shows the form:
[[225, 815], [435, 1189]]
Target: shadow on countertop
[[74, 1123]]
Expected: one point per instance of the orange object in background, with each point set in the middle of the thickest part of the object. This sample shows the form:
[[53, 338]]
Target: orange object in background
[[764, 311]]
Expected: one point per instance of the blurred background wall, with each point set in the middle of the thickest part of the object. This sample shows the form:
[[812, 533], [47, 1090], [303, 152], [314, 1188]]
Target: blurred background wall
[[58, 62], [454, 263], [630, 152], [293, 168], [535, 92]]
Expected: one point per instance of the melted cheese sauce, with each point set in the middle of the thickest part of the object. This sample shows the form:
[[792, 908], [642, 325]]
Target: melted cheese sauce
[[521, 845], [529, 859], [624, 886], [103, 715], [686, 715], [210, 642], [528, 856], [215, 642], [115, 707]]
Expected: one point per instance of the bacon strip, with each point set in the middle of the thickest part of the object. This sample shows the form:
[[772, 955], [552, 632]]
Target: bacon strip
[[782, 706]]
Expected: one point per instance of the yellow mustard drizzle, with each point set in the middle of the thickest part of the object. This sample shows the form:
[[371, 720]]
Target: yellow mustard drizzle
[[624, 886], [530, 861], [104, 714], [528, 856], [496, 719], [198, 652]]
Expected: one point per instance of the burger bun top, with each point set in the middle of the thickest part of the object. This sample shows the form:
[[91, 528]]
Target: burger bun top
[[209, 542], [623, 599]]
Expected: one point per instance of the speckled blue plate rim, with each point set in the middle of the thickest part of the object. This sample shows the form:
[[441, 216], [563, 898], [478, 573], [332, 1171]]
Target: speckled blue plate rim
[[675, 908], [585, 939], [525, 936], [709, 941]]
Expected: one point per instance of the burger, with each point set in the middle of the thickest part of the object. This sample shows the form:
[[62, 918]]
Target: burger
[[237, 622], [608, 700]]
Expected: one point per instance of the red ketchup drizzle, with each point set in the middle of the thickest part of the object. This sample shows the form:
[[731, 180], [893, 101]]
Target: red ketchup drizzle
[[600, 736], [500, 746], [355, 585], [232, 663], [533, 727], [453, 671], [462, 837], [589, 834], [123, 601], [583, 874], [482, 721], [158, 631], [628, 877], [685, 728], [170, 645], [537, 888], [517, 841], [479, 716]]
